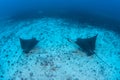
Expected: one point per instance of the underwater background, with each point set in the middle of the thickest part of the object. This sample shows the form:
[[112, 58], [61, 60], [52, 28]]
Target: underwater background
[[52, 23]]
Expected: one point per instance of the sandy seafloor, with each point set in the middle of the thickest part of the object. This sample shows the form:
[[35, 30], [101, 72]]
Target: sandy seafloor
[[54, 58]]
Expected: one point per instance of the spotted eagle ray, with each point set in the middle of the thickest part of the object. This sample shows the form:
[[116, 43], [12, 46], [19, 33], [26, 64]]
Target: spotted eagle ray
[[28, 44], [87, 45]]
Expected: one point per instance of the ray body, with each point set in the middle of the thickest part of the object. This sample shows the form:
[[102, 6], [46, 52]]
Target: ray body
[[28, 44], [87, 44]]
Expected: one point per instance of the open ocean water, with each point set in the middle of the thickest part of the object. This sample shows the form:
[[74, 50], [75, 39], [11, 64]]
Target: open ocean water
[[38, 40]]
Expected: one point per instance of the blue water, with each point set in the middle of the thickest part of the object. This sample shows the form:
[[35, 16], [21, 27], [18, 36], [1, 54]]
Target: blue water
[[109, 8], [51, 22], [92, 12]]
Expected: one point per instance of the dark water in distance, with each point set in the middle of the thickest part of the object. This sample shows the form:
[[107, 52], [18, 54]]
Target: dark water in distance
[[103, 13]]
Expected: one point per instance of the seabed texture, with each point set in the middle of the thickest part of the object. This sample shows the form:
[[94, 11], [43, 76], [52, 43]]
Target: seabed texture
[[54, 58]]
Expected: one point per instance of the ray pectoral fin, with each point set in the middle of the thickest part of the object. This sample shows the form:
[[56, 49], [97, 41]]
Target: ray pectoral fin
[[22, 42]]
